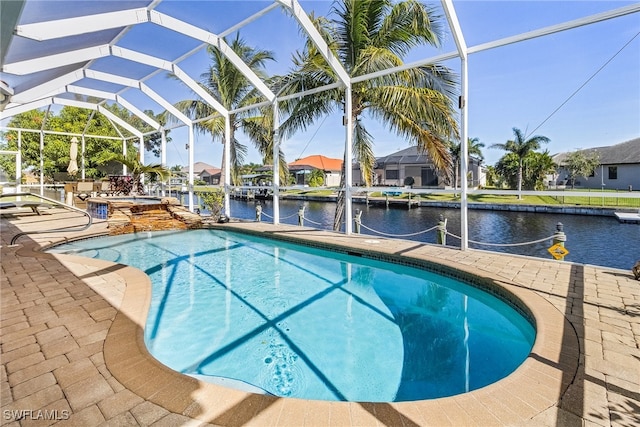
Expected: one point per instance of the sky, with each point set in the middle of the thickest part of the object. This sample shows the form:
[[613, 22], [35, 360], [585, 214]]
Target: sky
[[580, 88]]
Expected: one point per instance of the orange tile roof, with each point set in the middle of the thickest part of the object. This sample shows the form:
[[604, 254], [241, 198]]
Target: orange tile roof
[[319, 162]]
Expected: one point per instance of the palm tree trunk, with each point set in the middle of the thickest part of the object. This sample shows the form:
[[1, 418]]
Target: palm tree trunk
[[520, 181], [340, 202], [455, 176], [222, 166]]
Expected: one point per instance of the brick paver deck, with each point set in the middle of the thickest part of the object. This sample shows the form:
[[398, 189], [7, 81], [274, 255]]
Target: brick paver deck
[[73, 354]]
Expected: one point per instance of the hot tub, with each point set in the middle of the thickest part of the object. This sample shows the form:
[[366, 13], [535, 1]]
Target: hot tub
[[98, 207]]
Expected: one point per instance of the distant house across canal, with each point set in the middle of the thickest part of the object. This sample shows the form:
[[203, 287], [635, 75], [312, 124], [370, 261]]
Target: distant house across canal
[[301, 169], [619, 167], [394, 169]]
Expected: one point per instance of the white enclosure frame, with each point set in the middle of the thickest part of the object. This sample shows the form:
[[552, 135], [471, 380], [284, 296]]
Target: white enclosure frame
[[47, 93]]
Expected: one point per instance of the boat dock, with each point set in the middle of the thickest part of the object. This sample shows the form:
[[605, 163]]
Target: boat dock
[[628, 217], [387, 202]]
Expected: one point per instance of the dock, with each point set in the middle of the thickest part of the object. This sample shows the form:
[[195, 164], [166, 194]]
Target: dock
[[628, 217], [387, 202]]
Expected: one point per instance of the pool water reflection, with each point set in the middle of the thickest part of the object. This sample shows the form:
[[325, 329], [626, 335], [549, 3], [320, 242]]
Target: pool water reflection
[[302, 322]]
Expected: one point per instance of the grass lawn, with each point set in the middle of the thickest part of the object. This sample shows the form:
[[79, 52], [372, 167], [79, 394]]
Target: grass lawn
[[563, 198]]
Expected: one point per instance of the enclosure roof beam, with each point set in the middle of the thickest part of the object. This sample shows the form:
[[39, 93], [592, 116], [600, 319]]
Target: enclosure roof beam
[[53, 29], [90, 92], [192, 31], [454, 24], [100, 109], [598, 17], [23, 108], [306, 23], [52, 132], [81, 55], [112, 78], [119, 99], [172, 68], [164, 103], [135, 110], [49, 62], [58, 28], [45, 89], [249, 20]]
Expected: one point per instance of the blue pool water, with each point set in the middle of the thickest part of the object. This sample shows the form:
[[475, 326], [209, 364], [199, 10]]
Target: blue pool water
[[295, 321]]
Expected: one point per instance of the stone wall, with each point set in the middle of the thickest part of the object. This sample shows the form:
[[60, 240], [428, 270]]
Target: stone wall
[[127, 217]]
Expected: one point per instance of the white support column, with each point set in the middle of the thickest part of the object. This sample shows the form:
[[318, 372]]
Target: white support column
[[42, 126], [276, 163], [124, 153], [191, 143], [450, 12], [83, 147], [141, 154], [227, 164], [41, 163], [348, 154], [163, 156], [83, 143], [19, 164], [464, 157]]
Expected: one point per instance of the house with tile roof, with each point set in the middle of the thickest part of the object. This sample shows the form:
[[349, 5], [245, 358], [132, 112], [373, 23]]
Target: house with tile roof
[[210, 175], [301, 169], [619, 167], [201, 171]]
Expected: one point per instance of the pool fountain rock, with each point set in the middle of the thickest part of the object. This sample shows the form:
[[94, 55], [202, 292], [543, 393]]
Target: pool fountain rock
[[126, 216]]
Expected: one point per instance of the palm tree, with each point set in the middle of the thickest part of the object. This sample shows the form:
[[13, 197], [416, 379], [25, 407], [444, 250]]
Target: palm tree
[[473, 148], [538, 166], [369, 36], [521, 147], [137, 170], [232, 89]]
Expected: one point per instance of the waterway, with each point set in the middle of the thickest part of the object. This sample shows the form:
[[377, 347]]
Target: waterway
[[595, 240]]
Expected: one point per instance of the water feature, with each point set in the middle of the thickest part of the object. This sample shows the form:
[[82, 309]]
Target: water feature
[[595, 240]]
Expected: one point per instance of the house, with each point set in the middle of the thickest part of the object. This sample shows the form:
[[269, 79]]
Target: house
[[619, 167], [210, 175], [197, 168], [301, 169], [411, 165], [201, 171]]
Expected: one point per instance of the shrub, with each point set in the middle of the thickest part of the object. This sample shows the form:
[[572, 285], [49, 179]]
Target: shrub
[[213, 201]]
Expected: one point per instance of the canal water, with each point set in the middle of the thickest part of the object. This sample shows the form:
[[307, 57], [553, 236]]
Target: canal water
[[593, 240]]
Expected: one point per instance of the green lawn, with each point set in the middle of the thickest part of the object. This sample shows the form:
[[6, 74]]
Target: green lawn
[[563, 198]]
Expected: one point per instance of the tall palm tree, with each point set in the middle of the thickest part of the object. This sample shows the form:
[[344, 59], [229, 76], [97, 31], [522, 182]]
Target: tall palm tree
[[232, 89], [521, 147], [369, 36], [474, 148]]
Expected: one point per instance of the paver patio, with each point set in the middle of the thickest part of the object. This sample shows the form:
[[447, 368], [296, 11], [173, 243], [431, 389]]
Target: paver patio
[[73, 352]]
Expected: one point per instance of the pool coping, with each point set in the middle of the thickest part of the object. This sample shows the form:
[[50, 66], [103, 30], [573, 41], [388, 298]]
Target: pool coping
[[538, 384]]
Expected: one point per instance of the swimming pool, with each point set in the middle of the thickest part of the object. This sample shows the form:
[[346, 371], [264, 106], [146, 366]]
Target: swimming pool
[[290, 320]]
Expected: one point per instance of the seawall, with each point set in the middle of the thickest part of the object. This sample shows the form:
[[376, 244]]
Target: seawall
[[570, 210], [560, 209]]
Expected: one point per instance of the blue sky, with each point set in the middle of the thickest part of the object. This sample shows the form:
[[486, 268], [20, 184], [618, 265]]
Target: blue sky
[[519, 85]]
